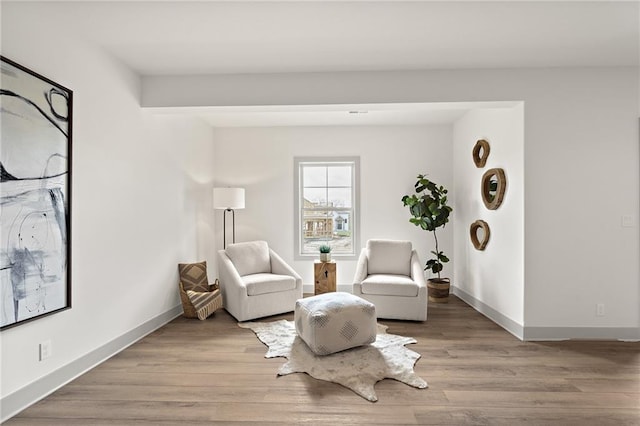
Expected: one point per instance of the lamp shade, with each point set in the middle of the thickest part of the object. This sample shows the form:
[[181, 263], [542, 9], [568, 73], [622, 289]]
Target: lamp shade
[[228, 198]]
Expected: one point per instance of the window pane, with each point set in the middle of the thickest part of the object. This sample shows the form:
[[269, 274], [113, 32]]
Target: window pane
[[339, 176], [326, 227], [315, 175], [339, 197], [342, 241], [317, 229], [314, 197]]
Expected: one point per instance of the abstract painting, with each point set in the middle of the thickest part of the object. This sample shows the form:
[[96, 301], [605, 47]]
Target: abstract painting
[[35, 189]]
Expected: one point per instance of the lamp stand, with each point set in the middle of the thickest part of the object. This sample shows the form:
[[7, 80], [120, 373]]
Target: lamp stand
[[224, 226]]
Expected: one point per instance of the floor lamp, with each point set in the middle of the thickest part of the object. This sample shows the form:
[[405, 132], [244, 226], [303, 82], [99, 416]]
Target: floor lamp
[[228, 199]]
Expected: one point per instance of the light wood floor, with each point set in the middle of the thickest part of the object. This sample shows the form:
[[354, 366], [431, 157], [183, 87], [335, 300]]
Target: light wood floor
[[213, 372]]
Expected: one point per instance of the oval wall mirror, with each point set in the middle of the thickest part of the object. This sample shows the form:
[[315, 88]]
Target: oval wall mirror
[[479, 233], [481, 153], [494, 184]]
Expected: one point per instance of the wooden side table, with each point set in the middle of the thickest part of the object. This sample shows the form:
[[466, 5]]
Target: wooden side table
[[324, 277]]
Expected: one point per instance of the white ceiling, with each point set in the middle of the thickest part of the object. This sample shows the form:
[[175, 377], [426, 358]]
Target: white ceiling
[[213, 37], [222, 37]]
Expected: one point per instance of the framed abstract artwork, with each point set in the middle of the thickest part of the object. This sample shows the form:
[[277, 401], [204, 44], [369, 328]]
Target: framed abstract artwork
[[35, 195]]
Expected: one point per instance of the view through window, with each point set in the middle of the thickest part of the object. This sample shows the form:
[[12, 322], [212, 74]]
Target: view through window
[[326, 205]]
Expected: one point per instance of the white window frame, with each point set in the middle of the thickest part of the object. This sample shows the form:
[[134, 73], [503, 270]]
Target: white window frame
[[299, 163]]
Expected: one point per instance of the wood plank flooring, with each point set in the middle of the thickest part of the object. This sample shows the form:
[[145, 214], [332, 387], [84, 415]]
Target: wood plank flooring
[[214, 372]]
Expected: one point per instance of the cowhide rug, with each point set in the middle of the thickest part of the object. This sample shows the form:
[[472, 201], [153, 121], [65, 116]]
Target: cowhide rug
[[358, 369]]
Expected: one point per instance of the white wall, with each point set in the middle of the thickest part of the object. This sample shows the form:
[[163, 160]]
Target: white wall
[[582, 175], [581, 159], [141, 203], [495, 276], [261, 160]]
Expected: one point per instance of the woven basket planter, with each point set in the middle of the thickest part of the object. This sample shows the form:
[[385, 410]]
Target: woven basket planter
[[439, 290]]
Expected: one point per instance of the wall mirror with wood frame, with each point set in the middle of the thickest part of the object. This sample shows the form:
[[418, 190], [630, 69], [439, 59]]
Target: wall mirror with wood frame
[[481, 153], [494, 185], [479, 233]]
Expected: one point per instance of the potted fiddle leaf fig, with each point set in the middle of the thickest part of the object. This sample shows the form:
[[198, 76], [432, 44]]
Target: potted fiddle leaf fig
[[429, 210], [325, 253]]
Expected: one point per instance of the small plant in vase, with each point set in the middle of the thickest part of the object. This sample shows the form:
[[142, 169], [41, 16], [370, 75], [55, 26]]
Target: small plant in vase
[[430, 211], [325, 253]]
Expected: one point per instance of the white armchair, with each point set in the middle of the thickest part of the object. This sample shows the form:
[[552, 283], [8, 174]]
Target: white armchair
[[390, 276], [256, 282]]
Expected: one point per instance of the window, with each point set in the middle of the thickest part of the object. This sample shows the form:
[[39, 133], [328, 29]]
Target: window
[[326, 205]]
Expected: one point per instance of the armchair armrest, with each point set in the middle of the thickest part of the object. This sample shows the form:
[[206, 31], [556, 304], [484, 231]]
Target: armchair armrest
[[417, 273], [361, 267], [280, 267], [362, 271], [234, 292], [228, 273]]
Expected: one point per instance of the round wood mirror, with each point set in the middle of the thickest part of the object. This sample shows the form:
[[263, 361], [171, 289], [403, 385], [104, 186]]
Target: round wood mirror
[[479, 233], [494, 184], [481, 153]]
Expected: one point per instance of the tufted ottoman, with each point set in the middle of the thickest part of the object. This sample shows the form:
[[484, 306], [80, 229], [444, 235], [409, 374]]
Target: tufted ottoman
[[333, 322]]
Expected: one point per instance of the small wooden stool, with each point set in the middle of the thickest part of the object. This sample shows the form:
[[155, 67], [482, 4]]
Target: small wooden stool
[[324, 277]]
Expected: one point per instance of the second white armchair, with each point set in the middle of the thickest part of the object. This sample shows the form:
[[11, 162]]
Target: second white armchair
[[390, 276]]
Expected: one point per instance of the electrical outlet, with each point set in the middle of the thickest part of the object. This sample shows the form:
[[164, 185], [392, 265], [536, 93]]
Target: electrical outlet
[[627, 221], [600, 310], [45, 350]]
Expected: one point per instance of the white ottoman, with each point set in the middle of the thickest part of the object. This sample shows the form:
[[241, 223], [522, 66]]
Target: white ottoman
[[333, 322]]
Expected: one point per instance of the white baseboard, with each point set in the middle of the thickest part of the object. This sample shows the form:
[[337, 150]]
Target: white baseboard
[[628, 334], [17, 401], [503, 321]]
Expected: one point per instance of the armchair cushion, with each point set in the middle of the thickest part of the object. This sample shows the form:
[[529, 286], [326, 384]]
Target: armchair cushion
[[193, 276], [250, 257], [389, 257], [390, 285], [268, 283]]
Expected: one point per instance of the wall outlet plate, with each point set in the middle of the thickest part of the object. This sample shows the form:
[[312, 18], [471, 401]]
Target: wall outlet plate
[[45, 350]]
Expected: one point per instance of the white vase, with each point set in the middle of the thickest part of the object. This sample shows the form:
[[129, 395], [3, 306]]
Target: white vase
[[325, 257]]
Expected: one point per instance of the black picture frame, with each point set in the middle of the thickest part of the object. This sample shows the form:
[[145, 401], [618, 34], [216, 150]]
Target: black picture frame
[[36, 116]]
